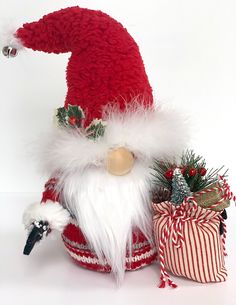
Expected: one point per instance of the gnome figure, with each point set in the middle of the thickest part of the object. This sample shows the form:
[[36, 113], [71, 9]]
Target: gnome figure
[[99, 157]]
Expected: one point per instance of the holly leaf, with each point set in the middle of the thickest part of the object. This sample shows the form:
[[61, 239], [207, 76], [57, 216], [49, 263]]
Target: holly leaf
[[75, 111], [73, 114], [62, 116], [96, 129]]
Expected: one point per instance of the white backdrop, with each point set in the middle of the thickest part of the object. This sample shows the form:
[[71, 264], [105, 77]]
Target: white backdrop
[[189, 48]]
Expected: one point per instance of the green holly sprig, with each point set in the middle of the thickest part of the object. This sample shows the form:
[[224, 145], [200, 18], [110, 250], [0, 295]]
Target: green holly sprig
[[96, 129], [73, 117]]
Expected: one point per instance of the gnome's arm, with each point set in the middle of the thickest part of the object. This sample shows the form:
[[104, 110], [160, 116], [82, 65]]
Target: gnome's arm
[[49, 211]]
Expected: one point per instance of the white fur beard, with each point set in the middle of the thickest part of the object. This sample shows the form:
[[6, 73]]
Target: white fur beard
[[107, 208]]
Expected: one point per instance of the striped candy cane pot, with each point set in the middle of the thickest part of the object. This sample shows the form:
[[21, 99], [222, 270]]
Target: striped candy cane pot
[[143, 251]]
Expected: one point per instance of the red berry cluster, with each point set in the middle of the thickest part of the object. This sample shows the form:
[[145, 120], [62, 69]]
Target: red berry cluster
[[192, 172]]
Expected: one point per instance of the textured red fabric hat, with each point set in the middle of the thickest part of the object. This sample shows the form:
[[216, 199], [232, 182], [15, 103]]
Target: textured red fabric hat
[[105, 69], [105, 65]]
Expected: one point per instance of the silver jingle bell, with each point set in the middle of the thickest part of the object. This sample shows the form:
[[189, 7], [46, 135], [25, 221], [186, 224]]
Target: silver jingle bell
[[9, 51]]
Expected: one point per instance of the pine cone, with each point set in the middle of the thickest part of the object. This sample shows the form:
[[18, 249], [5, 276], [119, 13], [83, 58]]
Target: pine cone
[[161, 194]]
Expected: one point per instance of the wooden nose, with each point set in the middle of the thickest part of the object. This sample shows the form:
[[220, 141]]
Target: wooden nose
[[120, 161]]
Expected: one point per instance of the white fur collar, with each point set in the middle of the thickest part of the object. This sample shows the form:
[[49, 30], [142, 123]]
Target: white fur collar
[[148, 133]]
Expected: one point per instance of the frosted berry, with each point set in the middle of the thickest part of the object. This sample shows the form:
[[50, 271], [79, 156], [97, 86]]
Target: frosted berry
[[183, 170], [192, 172], [169, 174]]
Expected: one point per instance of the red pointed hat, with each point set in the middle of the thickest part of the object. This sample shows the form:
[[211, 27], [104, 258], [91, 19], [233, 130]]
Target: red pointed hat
[[105, 68], [105, 65]]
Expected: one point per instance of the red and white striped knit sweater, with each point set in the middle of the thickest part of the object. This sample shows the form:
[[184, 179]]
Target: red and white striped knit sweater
[[52, 210]]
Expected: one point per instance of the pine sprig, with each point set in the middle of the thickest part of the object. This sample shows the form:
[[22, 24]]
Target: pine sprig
[[189, 158], [197, 182], [211, 178], [189, 162], [159, 170]]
